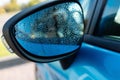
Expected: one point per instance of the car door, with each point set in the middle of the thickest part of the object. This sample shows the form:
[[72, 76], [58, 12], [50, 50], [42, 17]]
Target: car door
[[98, 57]]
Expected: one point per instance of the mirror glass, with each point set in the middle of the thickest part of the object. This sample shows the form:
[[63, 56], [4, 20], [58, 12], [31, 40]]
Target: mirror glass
[[52, 31]]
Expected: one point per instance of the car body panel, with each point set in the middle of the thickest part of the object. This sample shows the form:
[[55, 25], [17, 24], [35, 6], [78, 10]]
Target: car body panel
[[91, 63]]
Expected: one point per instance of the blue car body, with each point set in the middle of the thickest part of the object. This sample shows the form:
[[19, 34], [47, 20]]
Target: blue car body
[[91, 63], [97, 59]]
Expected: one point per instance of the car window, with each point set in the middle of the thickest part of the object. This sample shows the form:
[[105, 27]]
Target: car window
[[109, 26], [85, 5]]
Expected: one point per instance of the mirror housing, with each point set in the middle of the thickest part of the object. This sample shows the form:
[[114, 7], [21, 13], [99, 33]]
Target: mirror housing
[[13, 32]]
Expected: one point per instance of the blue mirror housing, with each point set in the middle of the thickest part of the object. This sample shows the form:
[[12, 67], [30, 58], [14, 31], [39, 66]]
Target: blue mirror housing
[[46, 32]]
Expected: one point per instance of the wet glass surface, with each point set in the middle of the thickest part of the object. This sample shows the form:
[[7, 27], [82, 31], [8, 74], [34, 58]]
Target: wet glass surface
[[53, 31]]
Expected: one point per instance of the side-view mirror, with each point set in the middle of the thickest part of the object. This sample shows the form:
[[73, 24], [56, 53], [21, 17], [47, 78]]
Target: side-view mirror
[[46, 32]]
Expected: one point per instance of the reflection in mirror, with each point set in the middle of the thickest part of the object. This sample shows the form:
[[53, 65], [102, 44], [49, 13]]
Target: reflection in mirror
[[52, 31]]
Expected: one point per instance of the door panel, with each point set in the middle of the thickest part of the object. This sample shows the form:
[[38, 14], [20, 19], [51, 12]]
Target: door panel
[[91, 63]]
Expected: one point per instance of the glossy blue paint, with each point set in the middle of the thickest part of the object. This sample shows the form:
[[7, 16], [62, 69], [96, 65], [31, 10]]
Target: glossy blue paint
[[91, 63]]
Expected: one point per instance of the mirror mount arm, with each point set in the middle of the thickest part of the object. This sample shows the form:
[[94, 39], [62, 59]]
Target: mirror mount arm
[[67, 62]]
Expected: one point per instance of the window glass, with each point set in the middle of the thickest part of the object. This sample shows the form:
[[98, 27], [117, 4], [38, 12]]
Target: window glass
[[109, 26], [85, 5]]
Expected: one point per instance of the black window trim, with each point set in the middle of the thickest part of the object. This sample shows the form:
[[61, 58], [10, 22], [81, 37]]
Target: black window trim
[[97, 16], [104, 43]]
